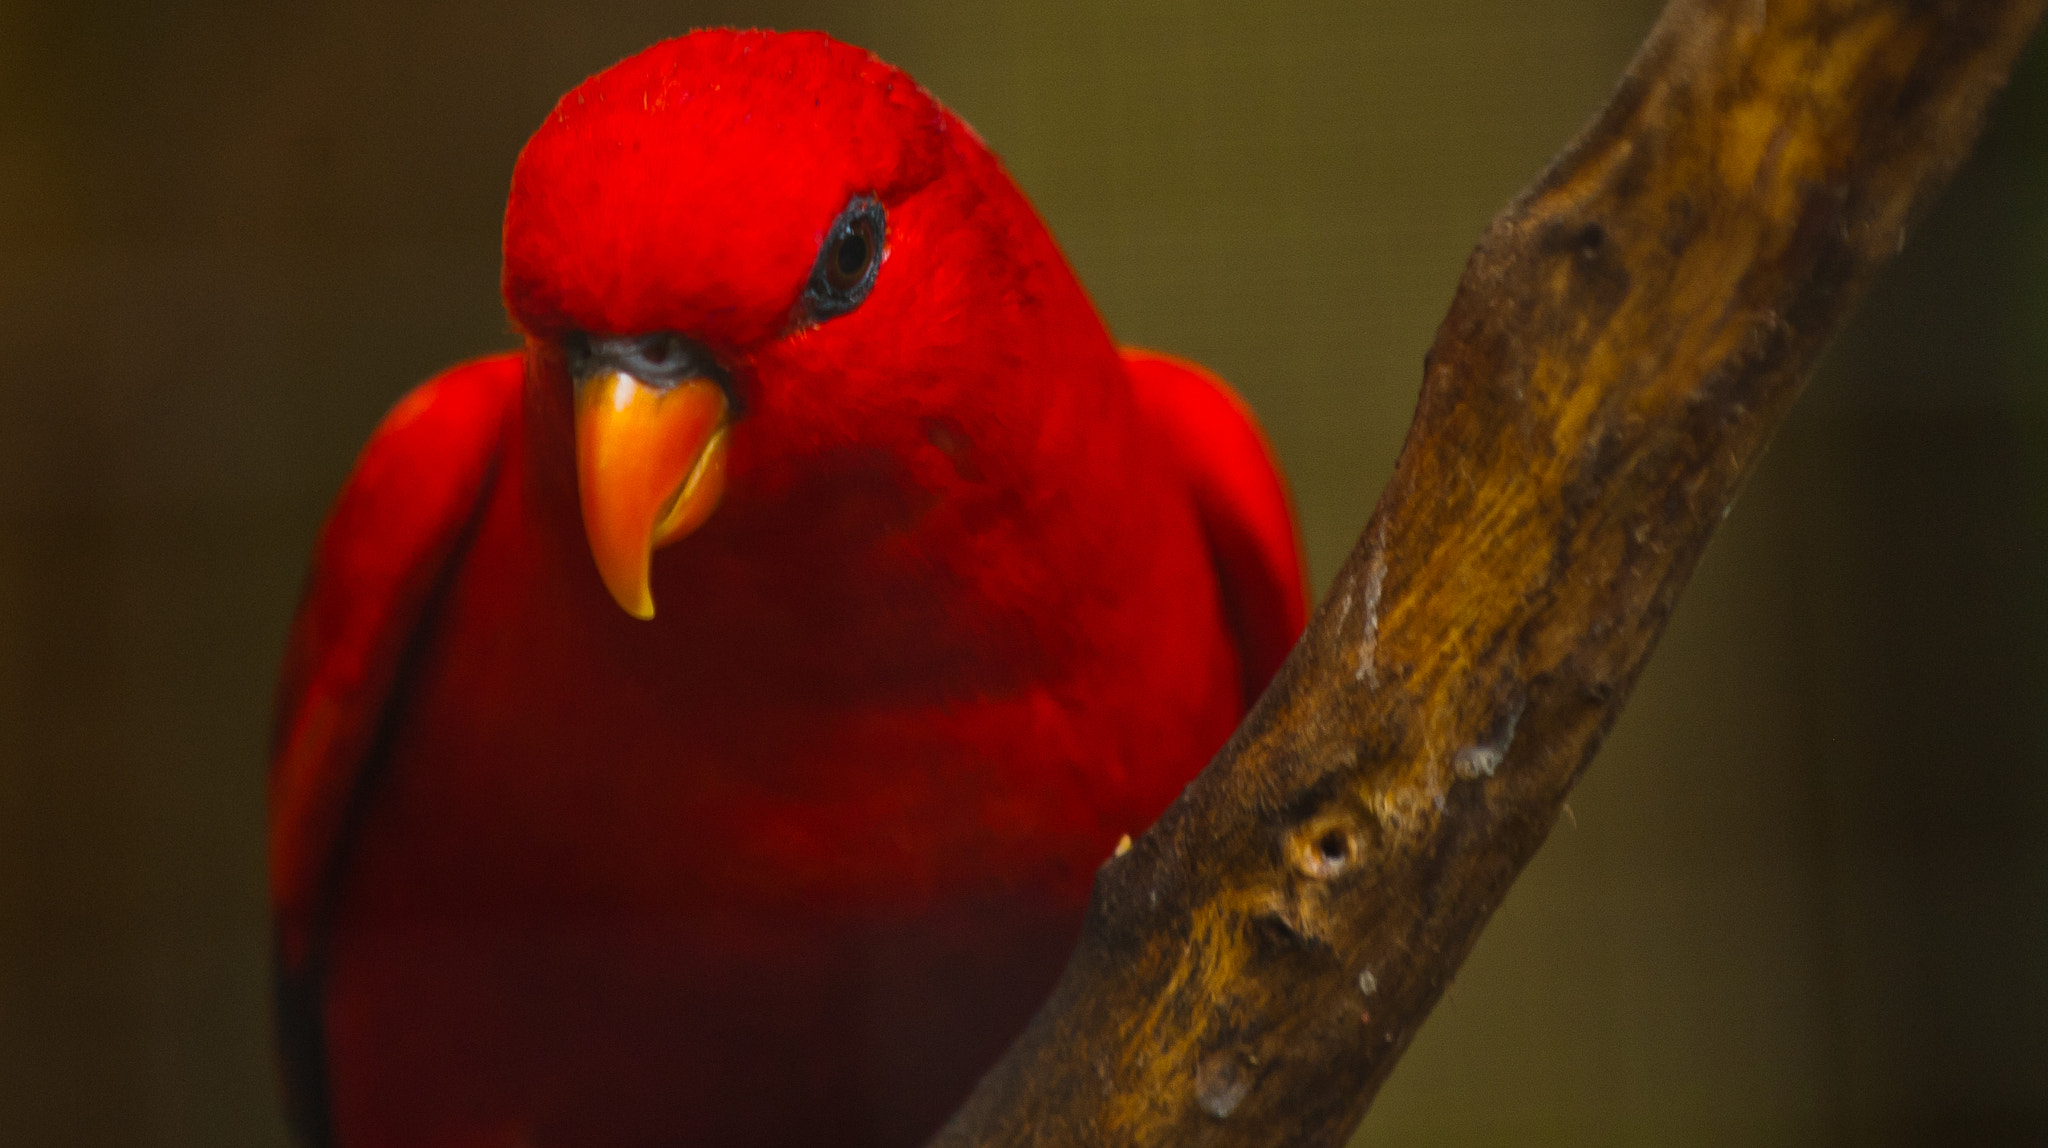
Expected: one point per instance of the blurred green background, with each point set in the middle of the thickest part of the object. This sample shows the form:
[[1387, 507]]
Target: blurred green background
[[1802, 897]]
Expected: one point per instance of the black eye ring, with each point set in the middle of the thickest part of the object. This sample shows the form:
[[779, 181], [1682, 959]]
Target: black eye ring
[[848, 260]]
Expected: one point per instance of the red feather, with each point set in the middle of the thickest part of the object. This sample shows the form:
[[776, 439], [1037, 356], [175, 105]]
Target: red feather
[[791, 862]]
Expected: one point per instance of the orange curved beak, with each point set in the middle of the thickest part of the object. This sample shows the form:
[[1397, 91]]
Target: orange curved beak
[[650, 467]]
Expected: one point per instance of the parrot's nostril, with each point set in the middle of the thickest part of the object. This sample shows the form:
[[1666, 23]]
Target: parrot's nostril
[[576, 353], [661, 359], [661, 350]]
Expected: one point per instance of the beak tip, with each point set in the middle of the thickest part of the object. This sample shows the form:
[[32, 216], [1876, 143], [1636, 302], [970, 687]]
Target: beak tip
[[637, 601]]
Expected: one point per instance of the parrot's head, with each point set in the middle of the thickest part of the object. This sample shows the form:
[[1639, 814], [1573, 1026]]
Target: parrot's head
[[737, 254]]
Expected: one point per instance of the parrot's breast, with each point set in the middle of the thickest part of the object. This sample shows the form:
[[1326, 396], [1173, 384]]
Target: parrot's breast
[[813, 841]]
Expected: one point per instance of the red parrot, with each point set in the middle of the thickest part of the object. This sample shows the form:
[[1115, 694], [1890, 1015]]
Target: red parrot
[[952, 594]]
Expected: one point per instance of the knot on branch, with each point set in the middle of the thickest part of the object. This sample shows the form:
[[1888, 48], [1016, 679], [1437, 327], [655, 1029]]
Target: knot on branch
[[1223, 1079]]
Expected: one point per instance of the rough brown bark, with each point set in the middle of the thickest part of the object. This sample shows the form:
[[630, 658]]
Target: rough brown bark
[[1627, 336]]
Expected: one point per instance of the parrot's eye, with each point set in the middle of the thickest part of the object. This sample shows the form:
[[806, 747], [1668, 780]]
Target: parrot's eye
[[848, 261]]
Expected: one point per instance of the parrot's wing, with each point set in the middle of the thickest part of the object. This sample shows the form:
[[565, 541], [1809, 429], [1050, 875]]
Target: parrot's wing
[[382, 560], [1242, 501]]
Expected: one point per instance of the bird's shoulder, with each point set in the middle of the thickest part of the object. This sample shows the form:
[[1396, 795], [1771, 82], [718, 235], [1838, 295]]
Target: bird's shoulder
[[1241, 499], [400, 519]]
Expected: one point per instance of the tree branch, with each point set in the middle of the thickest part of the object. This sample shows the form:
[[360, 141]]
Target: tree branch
[[1627, 336]]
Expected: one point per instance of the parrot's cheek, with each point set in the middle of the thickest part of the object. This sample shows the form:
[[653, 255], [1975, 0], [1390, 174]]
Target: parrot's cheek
[[650, 468]]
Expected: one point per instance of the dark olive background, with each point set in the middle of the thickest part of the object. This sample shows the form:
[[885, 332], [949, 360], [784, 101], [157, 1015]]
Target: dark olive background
[[1801, 898]]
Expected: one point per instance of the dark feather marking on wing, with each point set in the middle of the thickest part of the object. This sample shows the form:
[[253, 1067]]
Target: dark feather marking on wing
[[297, 997]]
